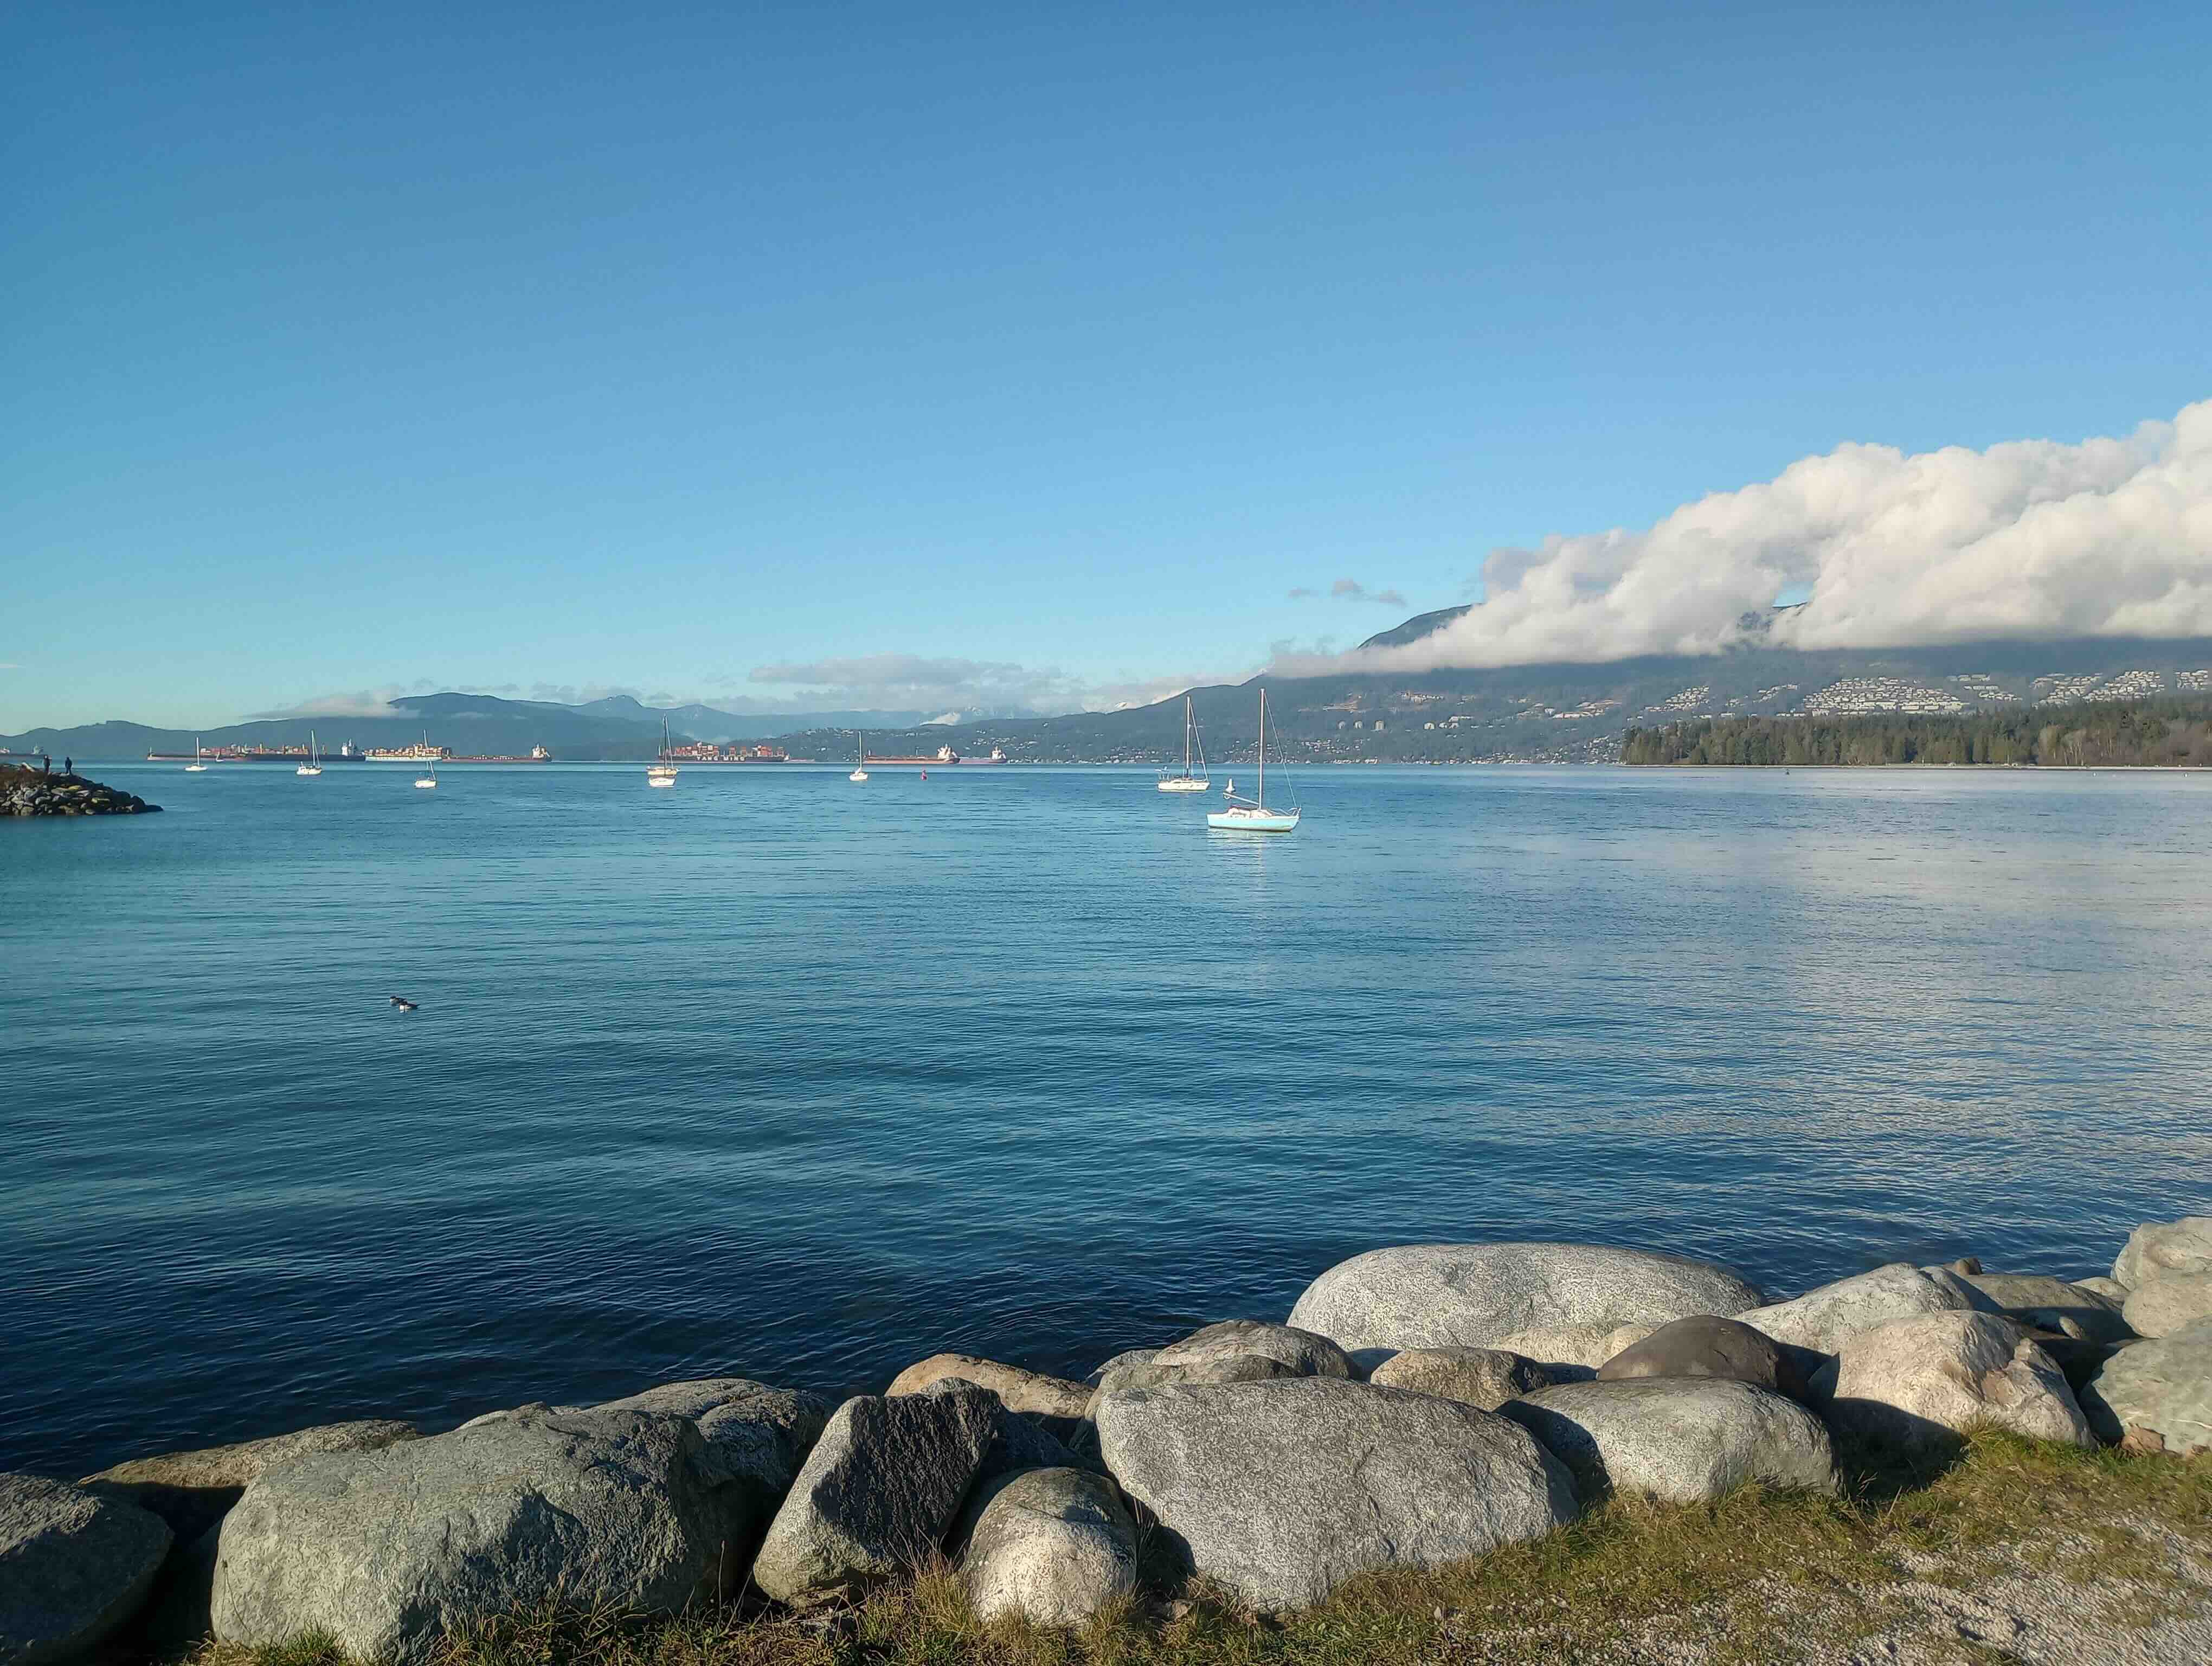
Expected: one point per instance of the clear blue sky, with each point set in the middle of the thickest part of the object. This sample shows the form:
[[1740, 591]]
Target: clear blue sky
[[645, 345]]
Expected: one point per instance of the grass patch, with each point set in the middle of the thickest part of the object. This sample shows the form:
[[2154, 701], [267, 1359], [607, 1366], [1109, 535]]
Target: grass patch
[[1758, 1577]]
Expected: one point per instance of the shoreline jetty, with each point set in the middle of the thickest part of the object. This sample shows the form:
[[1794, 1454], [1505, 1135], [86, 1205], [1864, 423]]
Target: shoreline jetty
[[27, 791], [1426, 1409]]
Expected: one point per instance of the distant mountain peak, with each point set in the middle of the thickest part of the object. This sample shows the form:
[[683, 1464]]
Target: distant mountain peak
[[1420, 625]]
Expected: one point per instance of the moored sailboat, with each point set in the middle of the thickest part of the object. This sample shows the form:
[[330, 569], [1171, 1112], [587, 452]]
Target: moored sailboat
[[314, 766], [663, 773], [1252, 815], [860, 769], [1190, 780], [199, 762]]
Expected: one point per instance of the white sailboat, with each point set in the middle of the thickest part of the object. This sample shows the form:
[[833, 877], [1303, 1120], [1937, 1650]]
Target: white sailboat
[[314, 766], [1190, 780], [860, 769], [662, 774], [1252, 815], [430, 780], [199, 762]]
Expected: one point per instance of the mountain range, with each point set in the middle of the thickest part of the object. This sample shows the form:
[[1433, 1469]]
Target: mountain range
[[1551, 713]]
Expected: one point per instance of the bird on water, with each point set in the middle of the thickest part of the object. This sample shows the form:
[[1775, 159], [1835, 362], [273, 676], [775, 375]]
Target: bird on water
[[402, 1003]]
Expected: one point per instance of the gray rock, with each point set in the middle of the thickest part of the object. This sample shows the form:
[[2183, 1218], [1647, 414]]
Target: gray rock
[[192, 1491], [2102, 1286], [1704, 1346], [1684, 1440], [387, 1550], [1128, 1357], [1572, 1353], [1822, 1319], [2160, 1247], [74, 1567], [1283, 1489], [756, 1437], [2156, 1394], [1055, 1546], [1018, 1390], [2169, 1303], [2043, 1302], [1474, 1295], [1018, 1441], [1483, 1377], [1302, 1351], [1920, 1384], [877, 1494], [1139, 1374]]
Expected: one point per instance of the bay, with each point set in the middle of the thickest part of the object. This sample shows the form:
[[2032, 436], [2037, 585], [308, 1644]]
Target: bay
[[777, 1075]]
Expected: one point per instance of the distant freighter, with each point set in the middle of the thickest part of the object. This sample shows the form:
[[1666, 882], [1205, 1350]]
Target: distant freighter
[[944, 755]]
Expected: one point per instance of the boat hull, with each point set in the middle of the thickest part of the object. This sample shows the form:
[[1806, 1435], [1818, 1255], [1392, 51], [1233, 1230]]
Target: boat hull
[[1185, 784], [1251, 821]]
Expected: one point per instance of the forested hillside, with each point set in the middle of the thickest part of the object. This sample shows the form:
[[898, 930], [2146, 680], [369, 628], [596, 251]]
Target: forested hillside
[[2117, 734]]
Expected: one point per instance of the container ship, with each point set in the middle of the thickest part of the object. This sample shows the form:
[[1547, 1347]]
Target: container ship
[[944, 757]]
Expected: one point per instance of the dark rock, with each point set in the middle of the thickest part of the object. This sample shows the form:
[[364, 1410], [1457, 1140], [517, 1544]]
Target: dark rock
[[74, 1568], [1704, 1346]]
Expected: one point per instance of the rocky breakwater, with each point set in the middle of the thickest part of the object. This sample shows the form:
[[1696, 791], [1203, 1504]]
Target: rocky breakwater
[[1394, 1426], [25, 792]]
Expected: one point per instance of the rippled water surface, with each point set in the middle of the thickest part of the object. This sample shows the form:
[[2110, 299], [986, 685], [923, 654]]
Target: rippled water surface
[[777, 1075]]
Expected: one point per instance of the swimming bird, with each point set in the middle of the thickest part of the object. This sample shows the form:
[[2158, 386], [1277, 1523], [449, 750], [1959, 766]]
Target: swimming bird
[[402, 1003]]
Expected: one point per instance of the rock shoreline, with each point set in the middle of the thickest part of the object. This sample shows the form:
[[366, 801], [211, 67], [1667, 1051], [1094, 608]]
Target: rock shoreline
[[25, 792], [1441, 1402]]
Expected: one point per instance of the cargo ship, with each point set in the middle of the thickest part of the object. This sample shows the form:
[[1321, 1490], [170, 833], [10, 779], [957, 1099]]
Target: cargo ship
[[535, 754], [252, 755], [944, 756]]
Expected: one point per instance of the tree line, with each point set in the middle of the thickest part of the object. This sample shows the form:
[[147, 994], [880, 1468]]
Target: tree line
[[2105, 734]]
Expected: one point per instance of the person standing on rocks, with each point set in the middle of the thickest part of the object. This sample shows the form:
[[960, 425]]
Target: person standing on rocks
[[69, 766]]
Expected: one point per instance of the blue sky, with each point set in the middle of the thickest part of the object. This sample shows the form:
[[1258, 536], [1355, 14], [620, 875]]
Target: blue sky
[[1007, 352]]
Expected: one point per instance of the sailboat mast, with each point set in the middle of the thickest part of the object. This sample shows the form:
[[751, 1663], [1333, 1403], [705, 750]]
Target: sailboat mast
[[1263, 749], [1188, 720]]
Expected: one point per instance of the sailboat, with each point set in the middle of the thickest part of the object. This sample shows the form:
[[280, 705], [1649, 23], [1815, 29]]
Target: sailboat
[[860, 769], [314, 766], [199, 762], [1189, 781], [430, 780], [1252, 815], [662, 774]]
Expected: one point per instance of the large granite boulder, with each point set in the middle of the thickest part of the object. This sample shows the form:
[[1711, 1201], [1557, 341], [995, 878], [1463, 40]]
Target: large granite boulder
[[2103, 1286], [1823, 1319], [1704, 1346], [878, 1494], [756, 1437], [1018, 1390], [193, 1491], [1482, 1378], [1301, 1351], [2171, 1302], [74, 1567], [1055, 1546], [2156, 1394], [1283, 1489], [2043, 1302], [1475, 1295], [1683, 1440], [2159, 1247], [388, 1551], [1920, 1384]]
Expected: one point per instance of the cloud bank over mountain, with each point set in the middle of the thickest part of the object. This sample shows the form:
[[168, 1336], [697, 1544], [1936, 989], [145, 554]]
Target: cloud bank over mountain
[[2032, 538]]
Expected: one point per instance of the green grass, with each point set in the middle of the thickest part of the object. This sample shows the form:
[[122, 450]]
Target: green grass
[[1758, 1577]]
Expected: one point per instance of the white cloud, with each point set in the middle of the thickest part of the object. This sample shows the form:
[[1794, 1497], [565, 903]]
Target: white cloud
[[1350, 590], [2030, 538], [963, 689]]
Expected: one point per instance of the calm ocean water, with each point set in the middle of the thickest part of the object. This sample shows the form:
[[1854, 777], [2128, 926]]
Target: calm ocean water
[[777, 1075]]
